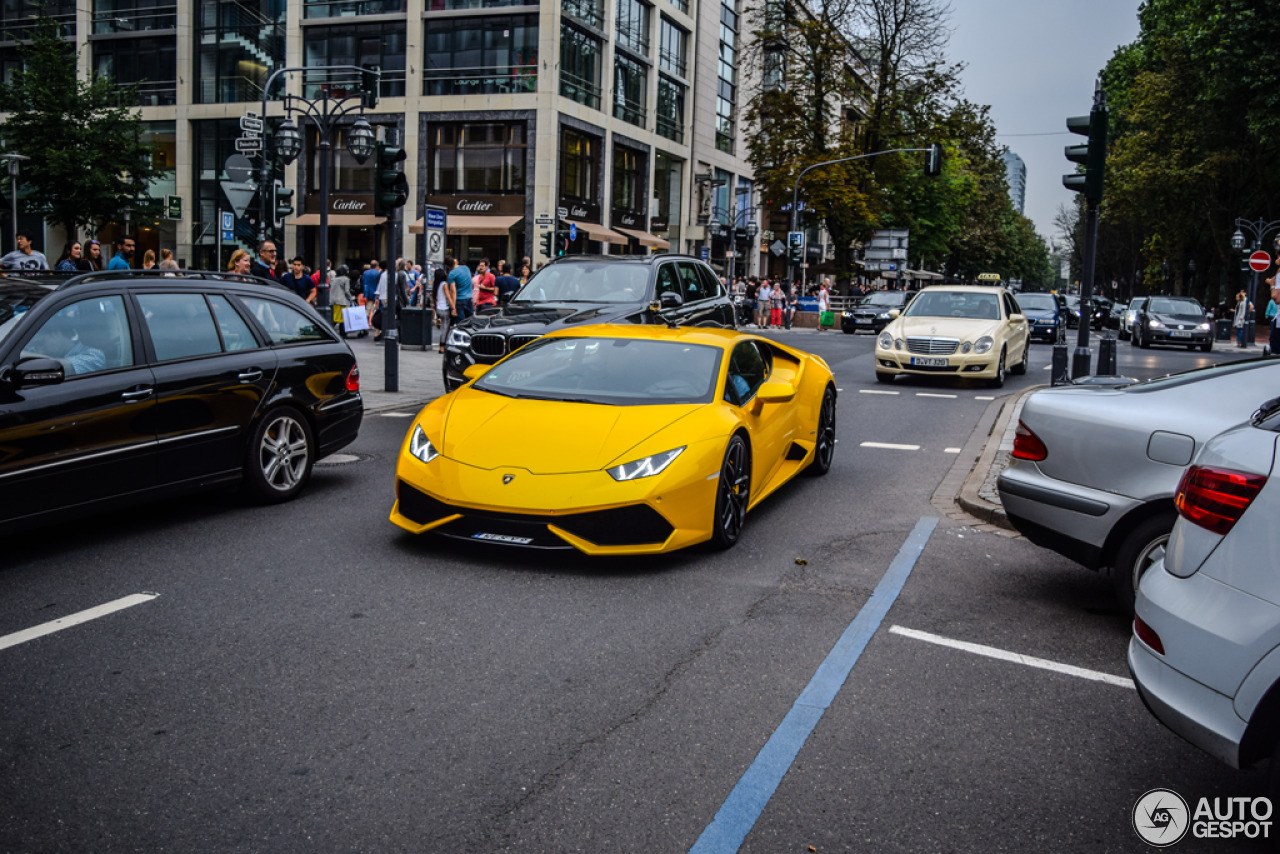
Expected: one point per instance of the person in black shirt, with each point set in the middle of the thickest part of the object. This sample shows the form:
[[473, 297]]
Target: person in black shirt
[[507, 284]]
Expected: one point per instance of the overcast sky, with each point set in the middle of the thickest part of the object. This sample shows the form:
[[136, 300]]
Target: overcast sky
[[1035, 62]]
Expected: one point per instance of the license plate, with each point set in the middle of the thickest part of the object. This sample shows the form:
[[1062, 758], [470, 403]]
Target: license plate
[[503, 538], [928, 363], [1180, 333]]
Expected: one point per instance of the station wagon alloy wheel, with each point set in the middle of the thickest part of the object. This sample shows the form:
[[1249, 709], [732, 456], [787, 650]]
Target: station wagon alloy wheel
[[282, 456]]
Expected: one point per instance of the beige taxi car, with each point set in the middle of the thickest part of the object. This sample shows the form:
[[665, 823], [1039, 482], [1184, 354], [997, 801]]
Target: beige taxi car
[[974, 331]]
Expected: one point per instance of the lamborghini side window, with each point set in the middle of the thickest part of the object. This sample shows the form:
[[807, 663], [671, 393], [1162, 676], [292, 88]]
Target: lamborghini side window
[[748, 369]]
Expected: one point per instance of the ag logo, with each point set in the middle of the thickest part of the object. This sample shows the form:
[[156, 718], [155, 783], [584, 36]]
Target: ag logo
[[1161, 817], [507, 478]]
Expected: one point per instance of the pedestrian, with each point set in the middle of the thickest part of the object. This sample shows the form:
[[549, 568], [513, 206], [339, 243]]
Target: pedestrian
[[1243, 307], [298, 280], [444, 297], [460, 276], [506, 283], [265, 266], [764, 297], [70, 257], [525, 272], [483, 284], [369, 286], [824, 305], [123, 257], [739, 297], [1273, 316], [166, 260], [91, 257], [149, 259], [793, 298], [240, 262], [340, 296], [777, 304], [26, 256]]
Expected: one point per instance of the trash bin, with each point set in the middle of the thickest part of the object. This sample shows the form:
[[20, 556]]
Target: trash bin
[[415, 327], [1222, 330]]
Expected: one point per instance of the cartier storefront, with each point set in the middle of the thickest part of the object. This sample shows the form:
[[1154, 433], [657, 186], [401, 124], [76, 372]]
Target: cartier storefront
[[353, 230], [479, 226]]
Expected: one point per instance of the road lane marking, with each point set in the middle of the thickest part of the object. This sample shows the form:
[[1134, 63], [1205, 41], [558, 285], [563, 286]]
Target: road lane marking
[[889, 446], [1015, 657], [396, 414], [738, 814], [951, 450], [74, 619], [931, 394], [983, 397], [876, 391]]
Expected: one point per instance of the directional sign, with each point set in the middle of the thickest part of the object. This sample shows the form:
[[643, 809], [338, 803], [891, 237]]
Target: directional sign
[[544, 219], [436, 217], [795, 238], [1259, 261], [251, 123], [248, 143]]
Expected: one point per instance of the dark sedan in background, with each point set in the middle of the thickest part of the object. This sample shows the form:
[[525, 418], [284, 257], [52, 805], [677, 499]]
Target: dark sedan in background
[[122, 386], [1045, 317], [1173, 320], [582, 289], [872, 314]]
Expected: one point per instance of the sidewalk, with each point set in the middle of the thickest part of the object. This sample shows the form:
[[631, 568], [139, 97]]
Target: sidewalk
[[420, 379]]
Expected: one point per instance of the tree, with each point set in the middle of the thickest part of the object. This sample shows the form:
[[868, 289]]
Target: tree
[[87, 158]]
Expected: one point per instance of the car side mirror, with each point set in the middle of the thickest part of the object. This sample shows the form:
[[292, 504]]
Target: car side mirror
[[776, 393], [1017, 318], [894, 313], [670, 299], [475, 372], [35, 372]]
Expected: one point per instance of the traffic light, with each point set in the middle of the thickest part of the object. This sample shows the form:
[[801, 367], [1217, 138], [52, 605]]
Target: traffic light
[[391, 189], [795, 246], [369, 77], [1092, 155], [548, 244], [933, 160], [281, 202], [562, 243]]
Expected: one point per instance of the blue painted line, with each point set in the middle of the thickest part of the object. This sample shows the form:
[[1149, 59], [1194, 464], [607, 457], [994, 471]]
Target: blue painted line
[[740, 810]]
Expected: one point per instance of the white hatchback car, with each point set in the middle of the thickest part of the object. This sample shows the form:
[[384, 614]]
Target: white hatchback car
[[1206, 647]]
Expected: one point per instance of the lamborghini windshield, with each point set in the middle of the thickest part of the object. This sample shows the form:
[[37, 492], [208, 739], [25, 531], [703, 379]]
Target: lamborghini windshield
[[615, 371]]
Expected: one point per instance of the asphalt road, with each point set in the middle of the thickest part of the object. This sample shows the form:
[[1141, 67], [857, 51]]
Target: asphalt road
[[309, 678]]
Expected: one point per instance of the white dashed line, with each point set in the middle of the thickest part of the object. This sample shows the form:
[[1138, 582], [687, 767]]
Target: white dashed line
[[1016, 658], [952, 451], [74, 619], [943, 396], [983, 397], [889, 447], [875, 391]]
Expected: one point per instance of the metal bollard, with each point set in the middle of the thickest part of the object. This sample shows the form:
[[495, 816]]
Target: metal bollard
[[1081, 361], [1107, 356], [1058, 375]]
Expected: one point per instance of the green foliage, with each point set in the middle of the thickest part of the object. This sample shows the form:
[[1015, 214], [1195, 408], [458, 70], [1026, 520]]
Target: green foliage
[[88, 161]]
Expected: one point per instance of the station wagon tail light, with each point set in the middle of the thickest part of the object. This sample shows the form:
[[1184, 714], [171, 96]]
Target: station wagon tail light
[[353, 378], [1214, 498], [1027, 445]]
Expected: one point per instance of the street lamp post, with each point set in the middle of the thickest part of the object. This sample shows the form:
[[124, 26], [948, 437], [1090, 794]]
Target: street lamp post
[[325, 114], [13, 160], [1259, 231]]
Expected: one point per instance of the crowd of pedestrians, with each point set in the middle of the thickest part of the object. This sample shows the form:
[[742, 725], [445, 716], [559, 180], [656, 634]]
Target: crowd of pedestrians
[[769, 304]]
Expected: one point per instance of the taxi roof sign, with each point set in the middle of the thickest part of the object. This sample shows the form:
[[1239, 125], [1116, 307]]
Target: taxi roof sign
[[988, 277]]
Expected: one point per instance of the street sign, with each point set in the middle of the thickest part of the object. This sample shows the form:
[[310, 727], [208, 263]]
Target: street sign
[[238, 168], [573, 231], [251, 122], [1259, 261], [436, 218], [435, 222], [248, 143], [706, 253], [562, 212], [795, 238], [228, 226], [544, 220], [778, 248], [173, 207]]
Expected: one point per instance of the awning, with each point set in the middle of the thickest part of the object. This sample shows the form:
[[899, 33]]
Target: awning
[[597, 232], [472, 225], [645, 238], [339, 219]]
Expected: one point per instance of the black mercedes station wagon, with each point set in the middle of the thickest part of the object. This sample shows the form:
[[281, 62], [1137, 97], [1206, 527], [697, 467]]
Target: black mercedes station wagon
[[121, 386], [582, 289]]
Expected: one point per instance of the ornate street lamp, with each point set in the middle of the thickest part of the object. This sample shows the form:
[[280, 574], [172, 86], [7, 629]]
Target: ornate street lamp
[[288, 141], [361, 141]]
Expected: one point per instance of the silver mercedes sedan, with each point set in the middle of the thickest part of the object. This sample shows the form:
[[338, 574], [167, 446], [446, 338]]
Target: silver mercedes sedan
[[1095, 469]]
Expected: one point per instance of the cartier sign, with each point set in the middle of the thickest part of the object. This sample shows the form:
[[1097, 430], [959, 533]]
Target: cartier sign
[[628, 219], [342, 203], [480, 205], [581, 211]]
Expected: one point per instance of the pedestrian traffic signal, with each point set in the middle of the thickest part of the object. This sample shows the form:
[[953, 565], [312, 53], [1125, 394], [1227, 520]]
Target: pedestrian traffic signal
[[562, 243], [548, 244], [1092, 155], [281, 202], [795, 246], [933, 160], [369, 77], [391, 189]]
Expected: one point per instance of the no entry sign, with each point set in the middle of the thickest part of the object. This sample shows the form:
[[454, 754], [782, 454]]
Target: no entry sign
[[1259, 261]]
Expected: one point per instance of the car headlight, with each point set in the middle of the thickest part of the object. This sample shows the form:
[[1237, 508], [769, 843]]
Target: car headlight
[[884, 315], [1155, 324], [1204, 327], [847, 314], [897, 344], [647, 467], [983, 344], [420, 446], [459, 338], [885, 341], [965, 347]]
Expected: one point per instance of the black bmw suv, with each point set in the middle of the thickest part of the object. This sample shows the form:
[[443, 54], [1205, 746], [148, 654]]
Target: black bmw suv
[[582, 289], [121, 386]]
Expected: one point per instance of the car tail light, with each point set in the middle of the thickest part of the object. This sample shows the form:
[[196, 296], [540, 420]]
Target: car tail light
[[1147, 635], [1215, 499], [353, 378], [1027, 445]]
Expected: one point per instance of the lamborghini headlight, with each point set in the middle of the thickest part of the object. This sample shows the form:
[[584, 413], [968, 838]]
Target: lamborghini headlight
[[983, 344], [647, 467], [420, 446]]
